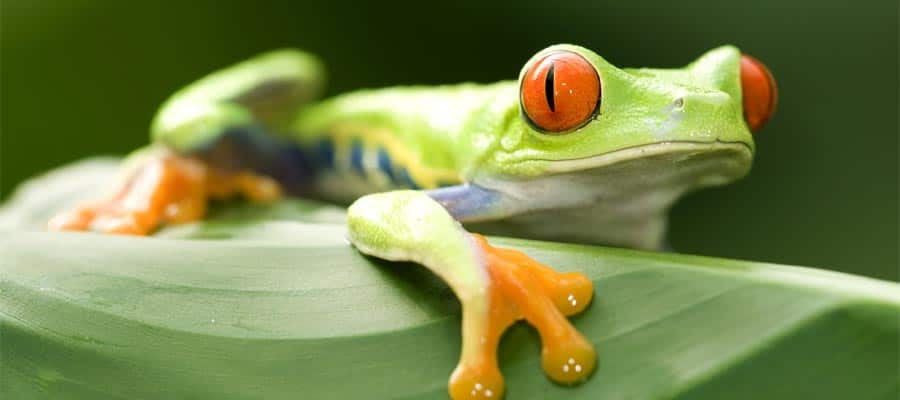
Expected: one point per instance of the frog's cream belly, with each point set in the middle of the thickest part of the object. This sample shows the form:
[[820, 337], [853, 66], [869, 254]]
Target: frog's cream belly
[[636, 225], [622, 200]]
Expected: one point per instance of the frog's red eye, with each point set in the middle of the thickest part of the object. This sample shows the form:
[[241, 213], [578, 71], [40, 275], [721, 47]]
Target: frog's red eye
[[759, 91], [560, 92]]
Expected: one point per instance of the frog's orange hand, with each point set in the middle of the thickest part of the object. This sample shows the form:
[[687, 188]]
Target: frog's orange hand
[[523, 288], [496, 288], [165, 188]]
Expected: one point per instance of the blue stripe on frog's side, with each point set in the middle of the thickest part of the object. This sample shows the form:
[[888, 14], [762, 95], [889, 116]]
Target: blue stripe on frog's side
[[356, 153], [385, 164], [325, 154], [404, 179], [252, 148], [356, 157]]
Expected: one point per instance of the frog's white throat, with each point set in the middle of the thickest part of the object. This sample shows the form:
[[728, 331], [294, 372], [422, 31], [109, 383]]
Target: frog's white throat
[[619, 198]]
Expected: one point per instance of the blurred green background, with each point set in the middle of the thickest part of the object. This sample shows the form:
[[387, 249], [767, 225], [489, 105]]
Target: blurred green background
[[81, 78]]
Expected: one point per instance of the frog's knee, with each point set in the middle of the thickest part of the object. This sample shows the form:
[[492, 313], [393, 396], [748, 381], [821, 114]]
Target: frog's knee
[[186, 126], [396, 224], [411, 226], [390, 222]]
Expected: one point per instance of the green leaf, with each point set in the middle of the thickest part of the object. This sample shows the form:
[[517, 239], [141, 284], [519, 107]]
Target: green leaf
[[271, 302]]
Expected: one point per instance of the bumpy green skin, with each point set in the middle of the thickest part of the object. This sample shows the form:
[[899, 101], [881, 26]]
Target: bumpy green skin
[[473, 130], [472, 133], [650, 122], [477, 130], [657, 134]]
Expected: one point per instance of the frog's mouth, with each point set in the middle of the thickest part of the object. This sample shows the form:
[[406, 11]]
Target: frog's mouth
[[658, 170], [661, 171], [740, 152]]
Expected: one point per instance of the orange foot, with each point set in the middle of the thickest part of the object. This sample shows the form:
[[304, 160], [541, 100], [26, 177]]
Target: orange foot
[[523, 288], [167, 188]]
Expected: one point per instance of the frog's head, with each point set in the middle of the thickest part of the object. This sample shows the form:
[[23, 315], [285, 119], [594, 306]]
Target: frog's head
[[604, 133], [577, 111]]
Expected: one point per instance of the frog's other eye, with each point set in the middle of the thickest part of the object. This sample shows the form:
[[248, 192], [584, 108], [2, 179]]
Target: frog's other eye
[[759, 91], [560, 92]]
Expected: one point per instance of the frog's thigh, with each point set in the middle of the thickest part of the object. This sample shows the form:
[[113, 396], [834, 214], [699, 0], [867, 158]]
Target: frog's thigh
[[496, 287]]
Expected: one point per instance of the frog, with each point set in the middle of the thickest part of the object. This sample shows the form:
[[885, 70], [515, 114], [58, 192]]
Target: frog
[[574, 150]]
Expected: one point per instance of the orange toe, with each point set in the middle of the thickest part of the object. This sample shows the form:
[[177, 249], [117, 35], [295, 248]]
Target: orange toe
[[257, 188], [571, 292], [568, 359], [78, 219], [121, 224], [472, 382]]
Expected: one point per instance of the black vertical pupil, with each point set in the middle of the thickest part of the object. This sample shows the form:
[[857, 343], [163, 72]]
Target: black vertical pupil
[[548, 88]]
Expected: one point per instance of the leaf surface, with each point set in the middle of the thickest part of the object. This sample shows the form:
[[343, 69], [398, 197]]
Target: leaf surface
[[271, 302]]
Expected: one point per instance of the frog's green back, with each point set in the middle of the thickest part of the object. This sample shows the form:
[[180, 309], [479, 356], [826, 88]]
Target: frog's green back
[[646, 137], [412, 137]]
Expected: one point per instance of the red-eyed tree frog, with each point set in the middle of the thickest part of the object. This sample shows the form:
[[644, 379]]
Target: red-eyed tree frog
[[576, 150]]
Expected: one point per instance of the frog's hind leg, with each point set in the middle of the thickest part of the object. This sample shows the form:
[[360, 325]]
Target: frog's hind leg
[[213, 140], [163, 187], [496, 288]]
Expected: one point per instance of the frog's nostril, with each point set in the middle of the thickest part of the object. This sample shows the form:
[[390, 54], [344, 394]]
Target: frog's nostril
[[678, 103]]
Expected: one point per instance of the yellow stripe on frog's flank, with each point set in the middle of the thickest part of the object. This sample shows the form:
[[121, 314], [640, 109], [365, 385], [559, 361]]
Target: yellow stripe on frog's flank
[[401, 156], [341, 152]]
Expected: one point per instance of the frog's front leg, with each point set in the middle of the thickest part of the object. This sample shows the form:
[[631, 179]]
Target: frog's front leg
[[496, 287]]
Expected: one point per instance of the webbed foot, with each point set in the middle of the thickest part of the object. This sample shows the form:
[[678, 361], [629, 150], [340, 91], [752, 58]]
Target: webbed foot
[[522, 288], [165, 188]]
